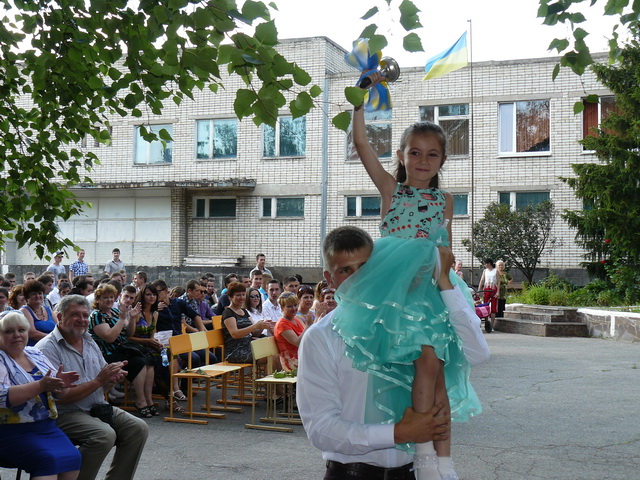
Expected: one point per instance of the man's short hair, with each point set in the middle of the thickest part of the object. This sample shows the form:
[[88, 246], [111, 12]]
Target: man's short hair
[[9, 276], [130, 289], [115, 250], [27, 274], [117, 284], [5, 290], [193, 284], [160, 285], [289, 280], [142, 275], [69, 300], [255, 273], [260, 255], [45, 279], [274, 280], [229, 278], [344, 239]]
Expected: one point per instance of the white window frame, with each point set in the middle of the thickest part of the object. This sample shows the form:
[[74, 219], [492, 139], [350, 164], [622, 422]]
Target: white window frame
[[206, 207], [514, 139], [137, 137], [210, 154], [466, 194], [359, 206], [274, 207], [277, 128], [513, 200], [437, 118], [600, 97]]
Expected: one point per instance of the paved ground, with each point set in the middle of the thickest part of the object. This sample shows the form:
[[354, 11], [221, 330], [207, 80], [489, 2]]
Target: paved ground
[[555, 408]]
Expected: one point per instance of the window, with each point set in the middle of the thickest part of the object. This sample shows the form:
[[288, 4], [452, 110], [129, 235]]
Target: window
[[461, 204], [363, 206], [378, 134], [283, 207], [288, 139], [217, 138], [594, 113], [454, 120], [216, 207], [524, 127], [149, 153], [520, 200]]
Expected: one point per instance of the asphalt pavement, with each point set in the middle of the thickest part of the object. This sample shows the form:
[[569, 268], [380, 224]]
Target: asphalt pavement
[[554, 408]]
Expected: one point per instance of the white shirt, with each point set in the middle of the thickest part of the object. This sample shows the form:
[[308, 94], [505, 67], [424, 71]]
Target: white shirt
[[331, 401], [490, 277], [271, 311]]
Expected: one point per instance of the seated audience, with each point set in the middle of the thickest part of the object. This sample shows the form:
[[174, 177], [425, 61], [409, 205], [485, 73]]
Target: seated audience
[[82, 287], [4, 299], [146, 302], [85, 416], [29, 384], [291, 284], [237, 327], [289, 331], [223, 300], [170, 311], [317, 293], [270, 308], [16, 297], [305, 314], [11, 278], [109, 329], [37, 313]]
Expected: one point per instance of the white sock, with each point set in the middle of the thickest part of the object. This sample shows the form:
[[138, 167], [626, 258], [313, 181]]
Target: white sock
[[425, 462], [445, 465]]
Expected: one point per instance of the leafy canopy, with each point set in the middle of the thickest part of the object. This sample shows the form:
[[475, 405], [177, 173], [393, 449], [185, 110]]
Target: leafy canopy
[[66, 66], [577, 54], [608, 228], [519, 237]]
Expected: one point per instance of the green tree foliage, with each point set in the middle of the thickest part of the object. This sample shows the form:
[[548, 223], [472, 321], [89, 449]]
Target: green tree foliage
[[577, 54], [65, 66], [608, 228], [519, 237]]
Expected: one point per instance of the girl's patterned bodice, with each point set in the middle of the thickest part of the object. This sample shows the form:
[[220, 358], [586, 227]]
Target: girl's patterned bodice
[[414, 212]]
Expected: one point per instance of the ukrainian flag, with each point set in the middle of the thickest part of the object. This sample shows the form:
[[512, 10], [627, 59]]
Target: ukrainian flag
[[449, 60]]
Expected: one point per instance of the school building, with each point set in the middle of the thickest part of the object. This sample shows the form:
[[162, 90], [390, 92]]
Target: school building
[[224, 189]]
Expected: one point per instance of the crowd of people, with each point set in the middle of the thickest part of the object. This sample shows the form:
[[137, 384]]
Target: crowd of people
[[71, 337]]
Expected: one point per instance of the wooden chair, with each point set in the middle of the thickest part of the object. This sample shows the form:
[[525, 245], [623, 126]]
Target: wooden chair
[[216, 339], [187, 343], [217, 322], [267, 348]]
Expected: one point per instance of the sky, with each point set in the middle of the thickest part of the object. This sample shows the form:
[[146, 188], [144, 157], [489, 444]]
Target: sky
[[501, 29]]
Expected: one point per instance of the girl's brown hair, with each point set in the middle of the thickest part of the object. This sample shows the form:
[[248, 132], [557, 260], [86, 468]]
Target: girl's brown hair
[[422, 128]]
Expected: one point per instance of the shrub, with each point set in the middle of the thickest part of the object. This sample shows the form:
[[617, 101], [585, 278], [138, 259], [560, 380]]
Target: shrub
[[558, 297], [537, 295]]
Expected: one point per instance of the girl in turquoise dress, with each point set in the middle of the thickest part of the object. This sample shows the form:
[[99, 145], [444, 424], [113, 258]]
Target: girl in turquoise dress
[[392, 316]]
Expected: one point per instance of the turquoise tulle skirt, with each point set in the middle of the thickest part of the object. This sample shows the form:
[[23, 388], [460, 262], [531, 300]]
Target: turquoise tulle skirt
[[388, 310]]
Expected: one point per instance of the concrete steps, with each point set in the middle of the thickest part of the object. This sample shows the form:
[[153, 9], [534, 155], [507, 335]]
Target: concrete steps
[[541, 320]]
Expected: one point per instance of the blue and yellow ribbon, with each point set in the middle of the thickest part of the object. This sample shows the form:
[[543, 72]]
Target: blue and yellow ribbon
[[377, 98]]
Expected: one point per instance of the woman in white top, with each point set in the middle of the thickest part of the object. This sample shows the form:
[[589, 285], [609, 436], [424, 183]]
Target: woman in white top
[[491, 285], [253, 305]]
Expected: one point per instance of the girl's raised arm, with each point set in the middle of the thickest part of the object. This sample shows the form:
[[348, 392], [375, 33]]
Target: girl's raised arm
[[383, 180]]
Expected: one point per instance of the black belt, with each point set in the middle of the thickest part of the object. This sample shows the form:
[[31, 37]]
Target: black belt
[[372, 472]]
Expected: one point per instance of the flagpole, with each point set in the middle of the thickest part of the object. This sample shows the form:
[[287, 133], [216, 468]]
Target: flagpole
[[472, 150]]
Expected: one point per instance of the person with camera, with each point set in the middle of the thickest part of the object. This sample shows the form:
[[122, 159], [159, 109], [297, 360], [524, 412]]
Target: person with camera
[[84, 415]]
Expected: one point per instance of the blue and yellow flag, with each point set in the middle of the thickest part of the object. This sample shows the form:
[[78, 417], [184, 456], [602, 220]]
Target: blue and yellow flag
[[449, 60]]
